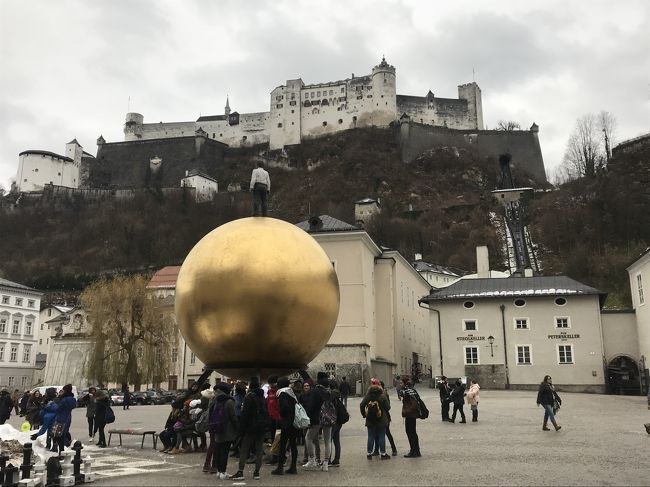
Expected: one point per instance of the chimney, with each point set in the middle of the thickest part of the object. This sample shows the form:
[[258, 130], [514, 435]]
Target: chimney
[[315, 224], [418, 256], [482, 262], [528, 272]]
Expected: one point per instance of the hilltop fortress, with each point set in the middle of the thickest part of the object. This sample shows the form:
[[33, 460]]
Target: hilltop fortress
[[299, 111]]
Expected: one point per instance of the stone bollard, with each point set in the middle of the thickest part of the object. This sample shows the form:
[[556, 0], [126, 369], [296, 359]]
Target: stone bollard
[[26, 467], [53, 471], [77, 462], [39, 475], [67, 478], [88, 475], [26, 483], [12, 476]]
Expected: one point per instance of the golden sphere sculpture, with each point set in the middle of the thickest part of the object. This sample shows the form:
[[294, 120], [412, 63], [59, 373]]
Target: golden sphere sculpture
[[257, 296]]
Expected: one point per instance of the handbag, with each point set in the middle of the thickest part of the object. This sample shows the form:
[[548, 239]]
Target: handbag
[[422, 409], [57, 429], [178, 425]]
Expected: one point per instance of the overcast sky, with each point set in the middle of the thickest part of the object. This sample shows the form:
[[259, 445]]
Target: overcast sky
[[69, 68]]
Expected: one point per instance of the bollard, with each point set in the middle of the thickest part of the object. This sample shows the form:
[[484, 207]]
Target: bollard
[[89, 476], [26, 467], [39, 475], [76, 463], [66, 479], [12, 475], [3, 467], [53, 471], [26, 483]]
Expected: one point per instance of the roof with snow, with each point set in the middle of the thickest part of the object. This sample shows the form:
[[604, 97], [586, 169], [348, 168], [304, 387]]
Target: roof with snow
[[422, 266], [541, 286]]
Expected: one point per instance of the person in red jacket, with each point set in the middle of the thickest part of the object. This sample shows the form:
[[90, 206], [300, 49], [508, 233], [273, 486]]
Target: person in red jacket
[[273, 408]]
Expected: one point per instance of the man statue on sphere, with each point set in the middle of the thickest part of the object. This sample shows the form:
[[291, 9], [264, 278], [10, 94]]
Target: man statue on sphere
[[261, 187]]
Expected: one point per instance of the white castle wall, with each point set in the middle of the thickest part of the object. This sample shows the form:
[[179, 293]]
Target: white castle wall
[[35, 170]]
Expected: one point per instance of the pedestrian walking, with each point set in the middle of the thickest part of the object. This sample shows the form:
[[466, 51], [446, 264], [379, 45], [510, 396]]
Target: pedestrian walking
[[90, 412], [374, 408], [101, 407], [550, 401], [411, 413], [344, 389], [473, 398], [458, 398], [253, 422], [261, 188], [127, 398]]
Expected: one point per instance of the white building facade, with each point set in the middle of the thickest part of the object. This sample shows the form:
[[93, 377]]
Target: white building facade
[[36, 168], [19, 331]]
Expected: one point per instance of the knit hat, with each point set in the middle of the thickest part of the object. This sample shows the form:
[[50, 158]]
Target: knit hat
[[283, 382], [67, 388], [223, 387]]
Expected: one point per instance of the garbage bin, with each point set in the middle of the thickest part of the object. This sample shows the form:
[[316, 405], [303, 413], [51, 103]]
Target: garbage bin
[[359, 388]]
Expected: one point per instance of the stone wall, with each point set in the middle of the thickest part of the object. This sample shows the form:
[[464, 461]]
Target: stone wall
[[487, 376], [523, 145]]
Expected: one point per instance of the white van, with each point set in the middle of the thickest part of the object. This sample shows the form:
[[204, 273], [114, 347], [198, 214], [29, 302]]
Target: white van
[[42, 390]]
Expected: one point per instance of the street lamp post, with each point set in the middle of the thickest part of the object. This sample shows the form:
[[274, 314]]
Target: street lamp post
[[491, 341]]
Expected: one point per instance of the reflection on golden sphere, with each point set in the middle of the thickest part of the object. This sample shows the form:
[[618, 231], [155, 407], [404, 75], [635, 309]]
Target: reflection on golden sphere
[[257, 296]]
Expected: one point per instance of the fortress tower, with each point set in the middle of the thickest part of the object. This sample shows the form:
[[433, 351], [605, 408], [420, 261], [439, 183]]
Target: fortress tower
[[133, 126], [384, 93], [472, 93]]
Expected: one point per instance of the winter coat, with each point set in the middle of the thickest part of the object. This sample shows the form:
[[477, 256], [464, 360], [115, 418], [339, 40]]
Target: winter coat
[[223, 399], [239, 404], [6, 405], [64, 412], [33, 414], [48, 415], [472, 394], [90, 407], [546, 395], [444, 389], [376, 393], [410, 403], [313, 401], [101, 406], [253, 413], [458, 395], [287, 400], [344, 388], [272, 403]]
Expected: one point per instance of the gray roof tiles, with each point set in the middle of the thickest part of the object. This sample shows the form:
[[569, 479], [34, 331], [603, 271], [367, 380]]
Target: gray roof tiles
[[329, 224], [15, 285]]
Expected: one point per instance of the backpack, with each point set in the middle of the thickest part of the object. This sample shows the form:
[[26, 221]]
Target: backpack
[[300, 419], [109, 416], [218, 422], [424, 411], [342, 415], [202, 424], [262, 418], [373, 411], [327, 416]]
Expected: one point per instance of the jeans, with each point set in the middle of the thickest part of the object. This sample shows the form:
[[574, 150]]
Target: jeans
[[411, 434], [91, 427], [457, 408], [548, 413], [288, 439], [377, 436], [99, 426], [444, 408], [260, 196], [312, 439], [222, 449], [336, 439], [247, 441]]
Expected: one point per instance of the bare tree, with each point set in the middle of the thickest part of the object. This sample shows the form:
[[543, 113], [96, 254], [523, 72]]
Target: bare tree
[[508, 125], [133, 338], [607, 123], [584, 154]]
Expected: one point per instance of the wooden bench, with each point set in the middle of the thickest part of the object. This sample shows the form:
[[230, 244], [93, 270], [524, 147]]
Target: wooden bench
[[133, 432]]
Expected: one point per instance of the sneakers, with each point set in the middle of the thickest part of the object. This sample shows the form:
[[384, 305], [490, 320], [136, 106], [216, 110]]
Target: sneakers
[[412, 455], [325, 466], [256, 475], [277, 470], [369, 456], [394, 453], [225, 476], [91, 439], [385, 456], [311, 463], [238, 476], [335, 463]]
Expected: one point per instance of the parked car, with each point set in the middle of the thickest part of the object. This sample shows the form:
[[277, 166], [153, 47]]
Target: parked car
[[154, 397]]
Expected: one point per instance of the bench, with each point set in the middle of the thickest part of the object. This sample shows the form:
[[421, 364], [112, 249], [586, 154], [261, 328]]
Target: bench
[[134, 432]]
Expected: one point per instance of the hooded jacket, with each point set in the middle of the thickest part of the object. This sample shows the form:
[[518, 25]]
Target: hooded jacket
[[64, 412], [313, 400], [458, 395], [472, 394], [254, 414], [223, 399], [287, 400], [375, 393]]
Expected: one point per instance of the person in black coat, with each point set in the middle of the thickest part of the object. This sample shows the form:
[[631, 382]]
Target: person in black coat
[[344, 389], [458, 398], [253, 421], [550, 401], [6, 405], [101, 406], [288, 434], [445, 390]]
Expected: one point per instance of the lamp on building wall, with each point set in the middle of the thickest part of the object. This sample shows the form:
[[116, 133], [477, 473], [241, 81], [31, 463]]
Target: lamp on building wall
[[491, 341]]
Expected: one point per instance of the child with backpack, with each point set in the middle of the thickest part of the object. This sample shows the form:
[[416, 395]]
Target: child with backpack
[[374, 407]]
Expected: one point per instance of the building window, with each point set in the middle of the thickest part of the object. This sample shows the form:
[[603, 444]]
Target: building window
[[520, 303], [280, 125], [521, 323], [523, 355], [639, 286], [42, 326], [466, 304], [19, 301], [28, 327], [471, 355], [3, 325], [469, 325], [30, 303], [13, 355], [565, 354], [324, 124], [49, 312], [40, 341], [174, 354], [192, 358], [330, 369], [11, 380], [562, 322], [279, 105], [2, 352], [15, 329], [5, 299], [23, 381], [560, 301], [27, 353], [340, 120]]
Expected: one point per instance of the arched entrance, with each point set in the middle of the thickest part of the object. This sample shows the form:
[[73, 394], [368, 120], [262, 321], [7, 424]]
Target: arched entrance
[[623, 376]]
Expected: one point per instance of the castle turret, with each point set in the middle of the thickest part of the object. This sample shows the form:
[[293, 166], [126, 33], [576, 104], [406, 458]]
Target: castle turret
[[472, 93], [74, 151], [384, 93], [133, 126], [227, 108]]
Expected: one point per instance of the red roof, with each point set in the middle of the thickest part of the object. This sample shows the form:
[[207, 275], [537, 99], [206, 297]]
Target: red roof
[[165, 277]]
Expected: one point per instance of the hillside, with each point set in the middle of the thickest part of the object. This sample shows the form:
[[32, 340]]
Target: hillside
[[438, 205]]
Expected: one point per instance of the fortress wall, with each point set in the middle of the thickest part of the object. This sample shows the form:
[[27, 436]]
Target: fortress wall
[[454, 113], [127, 164], [522, 144], [167, 129]]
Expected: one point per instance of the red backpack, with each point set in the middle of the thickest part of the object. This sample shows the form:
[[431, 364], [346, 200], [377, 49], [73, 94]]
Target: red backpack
[[272, 405]]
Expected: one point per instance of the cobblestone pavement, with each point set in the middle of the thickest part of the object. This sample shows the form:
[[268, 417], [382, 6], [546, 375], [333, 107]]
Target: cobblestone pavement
[[602, 442]]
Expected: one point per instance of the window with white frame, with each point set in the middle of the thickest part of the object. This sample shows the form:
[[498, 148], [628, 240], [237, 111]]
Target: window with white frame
[[521, 323], [15, 329], [5, 299], [30, 303], [2, 352], [523, 355], [3, 324], [29, 325], [11, 380], [23, 381], [471, 355], [639, 287], [174, 354], [13, 354], [565, 354], [192, 358], [27, 353], [469, 325], [19, 301], [562, 322]]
